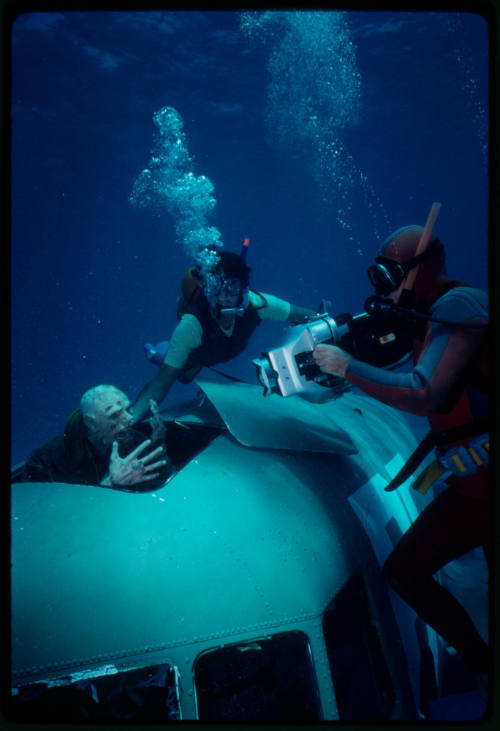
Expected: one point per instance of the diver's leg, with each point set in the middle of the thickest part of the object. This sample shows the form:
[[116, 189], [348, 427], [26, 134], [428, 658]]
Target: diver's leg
[[449, 527]]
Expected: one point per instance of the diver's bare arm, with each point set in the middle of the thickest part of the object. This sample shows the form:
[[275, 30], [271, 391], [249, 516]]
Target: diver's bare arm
[[300, 314], [156, 389]]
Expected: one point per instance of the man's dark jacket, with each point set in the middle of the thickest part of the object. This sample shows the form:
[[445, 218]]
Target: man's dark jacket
[[72, 458]]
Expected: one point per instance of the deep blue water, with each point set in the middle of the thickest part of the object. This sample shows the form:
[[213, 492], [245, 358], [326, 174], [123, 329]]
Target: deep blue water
[[404, 97]]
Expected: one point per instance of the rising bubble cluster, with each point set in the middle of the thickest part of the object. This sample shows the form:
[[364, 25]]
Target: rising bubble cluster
[[169, 182], [314, 95]]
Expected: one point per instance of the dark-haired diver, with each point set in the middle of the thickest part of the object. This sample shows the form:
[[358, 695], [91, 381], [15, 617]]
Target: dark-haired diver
[[209, 333], [449, 385]]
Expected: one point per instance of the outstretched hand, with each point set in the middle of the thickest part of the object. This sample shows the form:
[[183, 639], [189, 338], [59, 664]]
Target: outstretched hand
[[130, 470]]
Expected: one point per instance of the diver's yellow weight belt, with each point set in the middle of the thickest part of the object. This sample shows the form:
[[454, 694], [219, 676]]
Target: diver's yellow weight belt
[[461, 461]]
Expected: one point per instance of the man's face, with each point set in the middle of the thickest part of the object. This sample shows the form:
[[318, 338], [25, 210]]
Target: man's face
[[111, 417], [230, 293]]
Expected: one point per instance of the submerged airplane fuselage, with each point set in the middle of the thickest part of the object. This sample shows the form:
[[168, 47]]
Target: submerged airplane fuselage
[[248, 587]]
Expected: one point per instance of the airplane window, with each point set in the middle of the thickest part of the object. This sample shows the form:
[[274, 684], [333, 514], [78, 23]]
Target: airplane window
[[270, 679], [144, 694], [363, 686]]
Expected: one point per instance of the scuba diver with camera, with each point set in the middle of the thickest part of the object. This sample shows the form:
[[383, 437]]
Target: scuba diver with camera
[[443, 323], [449, 385]]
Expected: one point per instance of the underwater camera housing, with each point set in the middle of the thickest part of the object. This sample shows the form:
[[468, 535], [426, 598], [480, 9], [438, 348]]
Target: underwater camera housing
[[371, 338]]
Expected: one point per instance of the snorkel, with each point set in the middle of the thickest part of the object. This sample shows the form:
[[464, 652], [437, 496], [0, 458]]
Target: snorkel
[[244, 249], [404, 299]]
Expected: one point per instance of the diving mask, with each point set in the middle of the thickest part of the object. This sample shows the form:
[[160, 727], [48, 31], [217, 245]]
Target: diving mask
[[386, 275]]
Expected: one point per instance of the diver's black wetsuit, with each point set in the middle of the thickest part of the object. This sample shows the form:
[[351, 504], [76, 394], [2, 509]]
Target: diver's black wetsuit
[[216, 347]]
